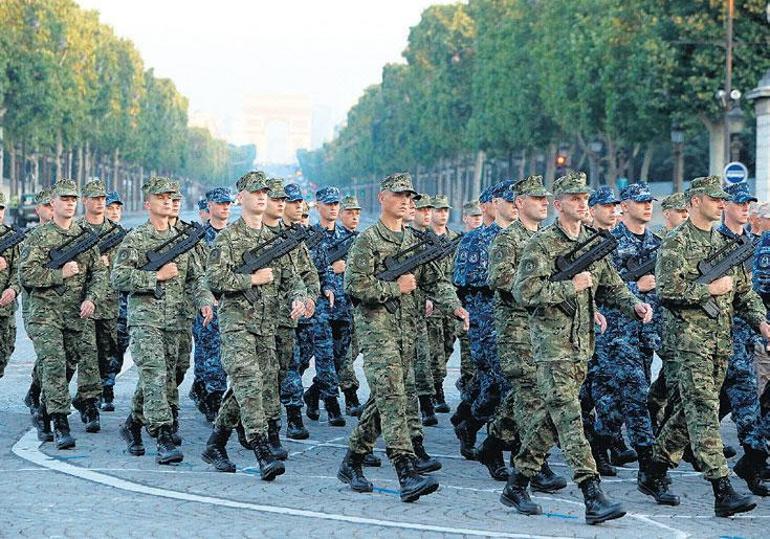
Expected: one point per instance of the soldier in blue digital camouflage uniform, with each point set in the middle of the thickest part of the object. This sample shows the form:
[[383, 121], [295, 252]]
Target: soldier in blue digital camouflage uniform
[[303, 344], [210, 381], [627, 349], [760, 221], [332, 319]]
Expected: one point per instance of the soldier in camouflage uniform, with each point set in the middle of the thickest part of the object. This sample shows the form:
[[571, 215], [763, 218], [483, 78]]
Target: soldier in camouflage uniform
[[210, 380], [61, 303], [248, 310], [387, 342], [9, 291], [562, 345], [530, 198], [703, 344], [304, 341], [156, 324], [760, 223]]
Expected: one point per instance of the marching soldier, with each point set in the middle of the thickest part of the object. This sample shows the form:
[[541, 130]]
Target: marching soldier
[[9, 291]]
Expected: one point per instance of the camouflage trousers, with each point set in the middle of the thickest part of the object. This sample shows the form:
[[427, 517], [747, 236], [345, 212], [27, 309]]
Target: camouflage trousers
[[59, 351], [155, 352], [558, 384], [208, 368], [107, 350], [392, 408], [442, 331], [182, 363], [7, 340], [331, 340], [467, 368], [251, 367], [423, 373], [304, 345], [488, 385], [289, 379], [695, 418]]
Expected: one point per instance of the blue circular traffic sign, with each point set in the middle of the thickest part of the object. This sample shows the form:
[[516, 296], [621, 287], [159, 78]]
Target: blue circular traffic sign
[[736, 172]]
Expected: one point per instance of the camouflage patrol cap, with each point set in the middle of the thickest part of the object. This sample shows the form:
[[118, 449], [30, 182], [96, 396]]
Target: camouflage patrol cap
[[95, 188], [293, 192], [176, 194], [221, 195], [573, 183], [400, 182], [276, 188], [673, 202], [531, 186], [2, 200], [739, 193], [441, 202], [158, 185], [305, 208], [423, 200], [707, 185], [763, 210], [603, 195], [350, 202], [472, 208], [65, 188], [203, 204], [328, 195], [638, 192], [252, 182], [43, 197], [113, 197]]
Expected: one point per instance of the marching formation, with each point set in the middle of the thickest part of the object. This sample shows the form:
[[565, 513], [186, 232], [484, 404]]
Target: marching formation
[[557, 327]]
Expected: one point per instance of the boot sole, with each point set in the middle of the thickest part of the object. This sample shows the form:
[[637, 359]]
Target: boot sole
[[283, 455], [345, 479], [271, 472], [547, 490], [410, 497], [441, 409], [428, 469], [337, 423], [93, 429], [65, 445], [598, 519], [745, 509], [47, 437], [208, 460], [139, 452], [644, 490], [510, 503], [175, 459], [430, 422], [304, 435]]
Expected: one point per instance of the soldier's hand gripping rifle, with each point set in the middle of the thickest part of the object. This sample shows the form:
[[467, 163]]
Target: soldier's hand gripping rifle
[[429, 248], [111, 238], [185, 239], [339, 249], [8, 240], [639, 266], [263, 254], [68, 251], [567, 266], [719, 264]]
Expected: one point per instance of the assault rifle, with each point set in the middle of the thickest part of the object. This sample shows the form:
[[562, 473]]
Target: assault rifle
[[263, 254], [186, 238], [638, 267], [11, 238], [567, 266], [70, 250], [719, 264], [109, 240], [314, 237], [339, 249], [429, 248]]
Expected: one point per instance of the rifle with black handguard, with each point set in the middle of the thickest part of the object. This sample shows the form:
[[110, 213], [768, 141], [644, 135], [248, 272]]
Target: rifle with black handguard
[[263, 254], [719, 264], [339, 249], [427, 250], [111, 238], [187, 238], [638, 267], [314, 237], [567, 267], [8, 240], [70, 250]]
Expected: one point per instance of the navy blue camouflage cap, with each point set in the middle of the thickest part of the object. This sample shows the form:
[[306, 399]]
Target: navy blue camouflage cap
[[220, 194], [502, 189], [739, 193], [203, 204], [603, 195], [486, 195], [113, 197], [328, 195], [293, 192], [638, 192]]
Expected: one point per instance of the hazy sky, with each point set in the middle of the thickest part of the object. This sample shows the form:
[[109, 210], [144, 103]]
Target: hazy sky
[[217, 51]]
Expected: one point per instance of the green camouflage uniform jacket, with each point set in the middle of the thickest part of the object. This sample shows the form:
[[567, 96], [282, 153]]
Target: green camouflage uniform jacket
[[555, 336], [9, 277], [107, 305]]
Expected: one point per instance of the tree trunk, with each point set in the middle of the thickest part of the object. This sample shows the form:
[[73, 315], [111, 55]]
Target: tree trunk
[[59, 152], [550, 164], [115, 169], [477, 173], [12, 170], [87, 162], [612, 163], [644, 174]]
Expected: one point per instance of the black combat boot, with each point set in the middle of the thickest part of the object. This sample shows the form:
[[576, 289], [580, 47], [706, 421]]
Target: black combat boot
[[295, 429], [216, 450], [350, 472], [197, 395], [61, 432], [424, 463], [42, 423], [466, 432], [89, 414], [213, 402], [515, 495], [727, 502], [729, 451], [621, 454], [311, 398], [749, 468], [274, 439], [333, 412], [490, 454], [269, 468], [599, 452], [440, 404], [353, 406], [413, 485], [32, 398], [546, 480], [598, 508], [108, 399], [175, 427], [168, 452], [429, 418], [131, 432], [462, 412], [651, 479], [372, 461], [242, 436]]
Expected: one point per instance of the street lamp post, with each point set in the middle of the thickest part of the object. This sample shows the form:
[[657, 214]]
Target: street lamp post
[[677, 140]]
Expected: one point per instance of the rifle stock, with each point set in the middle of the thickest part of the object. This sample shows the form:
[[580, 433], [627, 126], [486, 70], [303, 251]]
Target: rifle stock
[[68, 251], [720, 263], [169, 250]]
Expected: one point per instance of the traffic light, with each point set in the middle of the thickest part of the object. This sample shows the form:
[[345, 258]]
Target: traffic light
[[561, 160]]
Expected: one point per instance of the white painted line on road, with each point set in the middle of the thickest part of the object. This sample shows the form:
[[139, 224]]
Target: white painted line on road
[[28, 448], [315, 445]]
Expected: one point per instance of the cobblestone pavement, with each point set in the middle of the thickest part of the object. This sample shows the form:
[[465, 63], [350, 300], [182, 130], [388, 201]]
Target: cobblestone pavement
[[98, 490]]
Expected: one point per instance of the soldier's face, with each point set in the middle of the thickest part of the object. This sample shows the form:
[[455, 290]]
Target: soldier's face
[[293, 211], [176, 206], [488, 209], [395, 205], [674, 217], [411, 211], [275, 207], [329, 212], [605, 216], [159, 205], [44, 213], [472, 221], [114, 212], [573, 207], [94, 206], [506, 210], [737, 212], [710, 208], [532, 208], [305, 219], [253, 203], [2, 213], [440, 216], [351, 219], [64, 207], [204, 215], [422, 216], [640, 212], [220, 210]]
